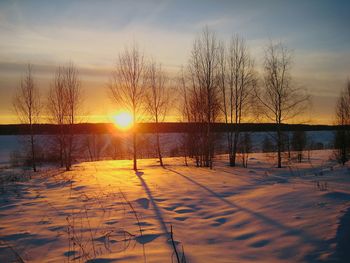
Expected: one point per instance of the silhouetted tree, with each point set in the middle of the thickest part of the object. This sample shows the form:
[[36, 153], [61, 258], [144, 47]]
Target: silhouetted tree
[[280, 99], [299, 142], [127, 87], [157, 98], [57, 112], [286, 143], [237, 82], [245, 147], [64, 104], [190, 141], [203, 96], [342, 136], [26, 103], [73, 96], [267, 145], [94, 143], [115, 148]]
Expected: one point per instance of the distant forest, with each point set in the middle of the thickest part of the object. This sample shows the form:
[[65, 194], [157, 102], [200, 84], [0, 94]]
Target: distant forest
[[166, 127]]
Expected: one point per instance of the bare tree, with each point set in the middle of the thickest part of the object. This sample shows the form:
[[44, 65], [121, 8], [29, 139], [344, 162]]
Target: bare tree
[[26, 103], [94, 144], [299, 142], [204, 100], [57, 111], [342, 136], [245, 148], [237, 82], [127, 87], [280, 99], [73, 96], [189, 140], [157, 98], [115, 147], [64, 104]]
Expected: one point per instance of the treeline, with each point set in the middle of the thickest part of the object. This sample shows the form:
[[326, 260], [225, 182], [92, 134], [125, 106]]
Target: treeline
[[165, 127], [218, 90]]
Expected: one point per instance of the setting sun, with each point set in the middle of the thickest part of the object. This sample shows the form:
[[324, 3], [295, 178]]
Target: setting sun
[[123, 120]]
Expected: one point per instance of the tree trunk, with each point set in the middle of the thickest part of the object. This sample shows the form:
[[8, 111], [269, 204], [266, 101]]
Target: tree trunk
[[279, 148], [61, 153], [32, 149], [158, 150], [234, 149], [134, 150]]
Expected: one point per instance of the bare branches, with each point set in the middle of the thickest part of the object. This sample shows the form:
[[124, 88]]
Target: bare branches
[[127, 86], [280, 99], [57, 104], [203, 100], [64, 104], [27, 106], [73, 92], [157, 94], [157, 97], [241, 82], [342, 135], [27, 99]]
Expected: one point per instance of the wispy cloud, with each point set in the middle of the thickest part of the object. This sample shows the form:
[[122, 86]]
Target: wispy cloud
[[92, 33]]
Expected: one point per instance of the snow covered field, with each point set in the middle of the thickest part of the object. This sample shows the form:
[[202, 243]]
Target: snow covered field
[[105, 212]]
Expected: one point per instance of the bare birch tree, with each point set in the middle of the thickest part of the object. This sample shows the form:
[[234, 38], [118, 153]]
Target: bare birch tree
[[342, 136], [280, 99], [189, 139], [204, 72], [26, 103], [64, 104], [157, 98], [57, 111], [73, 96], [299, 142], [238, 80], [127, 87]]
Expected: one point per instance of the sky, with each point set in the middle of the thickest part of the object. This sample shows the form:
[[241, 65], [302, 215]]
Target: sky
[[91, 34]]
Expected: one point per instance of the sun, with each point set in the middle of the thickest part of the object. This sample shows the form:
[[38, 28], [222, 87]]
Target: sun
[[123, 120]]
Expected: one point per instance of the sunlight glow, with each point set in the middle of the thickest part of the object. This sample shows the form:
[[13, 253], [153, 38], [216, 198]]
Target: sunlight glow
[[123, 120]]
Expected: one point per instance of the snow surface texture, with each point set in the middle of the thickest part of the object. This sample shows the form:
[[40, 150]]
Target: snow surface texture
[[105, 212]]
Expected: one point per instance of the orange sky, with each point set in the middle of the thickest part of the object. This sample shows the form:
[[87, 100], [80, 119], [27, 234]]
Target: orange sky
[[91, 35]]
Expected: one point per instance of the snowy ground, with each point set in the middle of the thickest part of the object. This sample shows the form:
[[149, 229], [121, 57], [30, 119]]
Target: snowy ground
[[104, 212]]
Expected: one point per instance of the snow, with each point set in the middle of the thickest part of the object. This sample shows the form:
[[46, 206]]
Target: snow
[[105, 212]]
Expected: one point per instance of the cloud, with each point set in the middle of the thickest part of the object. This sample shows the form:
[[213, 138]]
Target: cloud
[[91, 34]]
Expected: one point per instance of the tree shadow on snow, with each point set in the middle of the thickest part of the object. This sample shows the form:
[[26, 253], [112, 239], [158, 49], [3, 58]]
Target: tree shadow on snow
[[157, 211], [343, 238], [287, 231]]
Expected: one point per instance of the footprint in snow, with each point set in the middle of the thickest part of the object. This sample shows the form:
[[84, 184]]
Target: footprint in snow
[[70, 253], [55, 228], [184, 210], [172, 207], [111, 222], [245, 236], [143, 223], [219, 221], [160, 199], [78, 188], [144, 202], [144, 239], [260, 243], [181, 218]]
